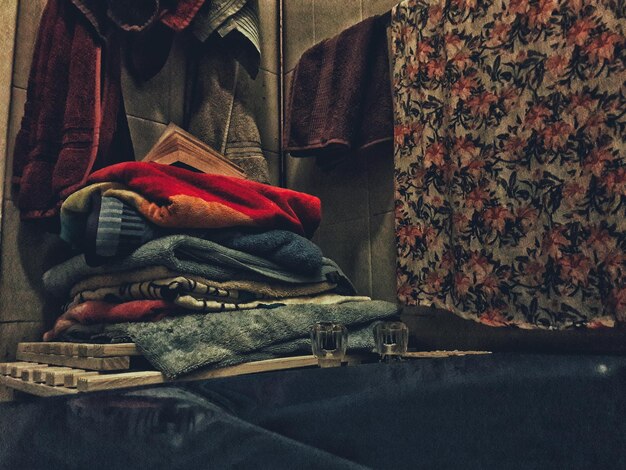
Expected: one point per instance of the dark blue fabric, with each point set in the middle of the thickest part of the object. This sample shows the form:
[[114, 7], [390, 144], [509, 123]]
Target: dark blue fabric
[[284, 248], [114, 229], [474, 412]]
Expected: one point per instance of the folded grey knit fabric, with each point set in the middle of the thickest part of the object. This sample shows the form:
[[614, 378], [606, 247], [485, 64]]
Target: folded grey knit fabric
[[190, 255], [179, 345]]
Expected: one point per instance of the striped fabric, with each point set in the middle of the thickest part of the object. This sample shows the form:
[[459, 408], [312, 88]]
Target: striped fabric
[[121, 229], [225, 16], [246, 21]]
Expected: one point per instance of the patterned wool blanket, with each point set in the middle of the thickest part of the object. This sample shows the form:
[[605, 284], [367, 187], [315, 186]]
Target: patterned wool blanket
[[197, 293], [510, 159], [150, 309], [128, 280], [177, 198], [114, 229]]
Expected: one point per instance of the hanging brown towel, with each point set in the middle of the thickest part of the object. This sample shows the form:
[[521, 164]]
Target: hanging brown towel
[[340, 101], [74, 120]]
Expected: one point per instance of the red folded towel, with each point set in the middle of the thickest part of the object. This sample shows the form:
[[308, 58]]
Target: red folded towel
[[340, 101], [175, 197], [96, 311], [72, 118]]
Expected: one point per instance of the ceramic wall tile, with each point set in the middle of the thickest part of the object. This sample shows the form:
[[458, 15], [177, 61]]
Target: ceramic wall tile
[[344, 191], [380, 182], [273, 162], [8, 26], [18, 98], [383, 252], [27, 252], [377, 7], [268, 18], [16, 332], [265, 95], [348, 244], [29, 15], [332, 17], [299, 30]]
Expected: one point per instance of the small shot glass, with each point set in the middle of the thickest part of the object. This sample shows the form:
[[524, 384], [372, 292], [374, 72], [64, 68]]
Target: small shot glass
[[329, 342], [391, 338]]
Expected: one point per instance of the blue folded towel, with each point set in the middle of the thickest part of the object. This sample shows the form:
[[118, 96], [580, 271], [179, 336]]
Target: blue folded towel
[[189, 255]]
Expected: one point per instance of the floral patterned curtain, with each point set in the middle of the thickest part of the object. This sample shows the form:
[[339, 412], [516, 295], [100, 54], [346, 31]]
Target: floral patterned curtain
[[510, 163]]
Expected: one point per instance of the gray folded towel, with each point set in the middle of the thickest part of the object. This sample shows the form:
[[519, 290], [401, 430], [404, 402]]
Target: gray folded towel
[[189, 255], [219, 107], [179, 345]]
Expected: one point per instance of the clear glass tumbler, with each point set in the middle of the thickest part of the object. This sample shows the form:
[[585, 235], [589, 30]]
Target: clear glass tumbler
[[329, 342], [392, 339]]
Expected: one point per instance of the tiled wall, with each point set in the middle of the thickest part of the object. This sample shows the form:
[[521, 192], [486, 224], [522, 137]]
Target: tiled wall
[[357, 197], [26, 251]]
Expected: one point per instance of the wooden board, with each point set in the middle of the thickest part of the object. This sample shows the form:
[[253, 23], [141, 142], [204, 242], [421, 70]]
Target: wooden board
[[5, 367], [56, 377], [435, 354], [115, 381], [39, 375], [69, 349], [28, 374], [108, 350], [90, 363], [33, 388], [71, 378], [64, 380], [136, 379], [269, 365], [16, 371]]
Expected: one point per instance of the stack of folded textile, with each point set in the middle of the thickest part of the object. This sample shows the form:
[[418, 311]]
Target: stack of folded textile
[[167, 245]]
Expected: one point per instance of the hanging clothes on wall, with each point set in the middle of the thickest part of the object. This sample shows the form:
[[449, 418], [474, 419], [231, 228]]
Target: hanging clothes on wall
[[74, 120], [340, 100], [237, 23], [152, 25], [219, 106], [510, 160], [138, 15]]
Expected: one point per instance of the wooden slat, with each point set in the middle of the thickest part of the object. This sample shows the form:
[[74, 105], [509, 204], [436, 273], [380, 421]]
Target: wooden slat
[[64, 349], [5, 367], [435, 354], [269, 365], [38, 347], [108, 350], [28, 374], [16, 371], [27, 347], [56, 377], [90, 363], [115, 381], [80, 349], [136, 379], [33, 388], [71, 378], [39, 375]]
